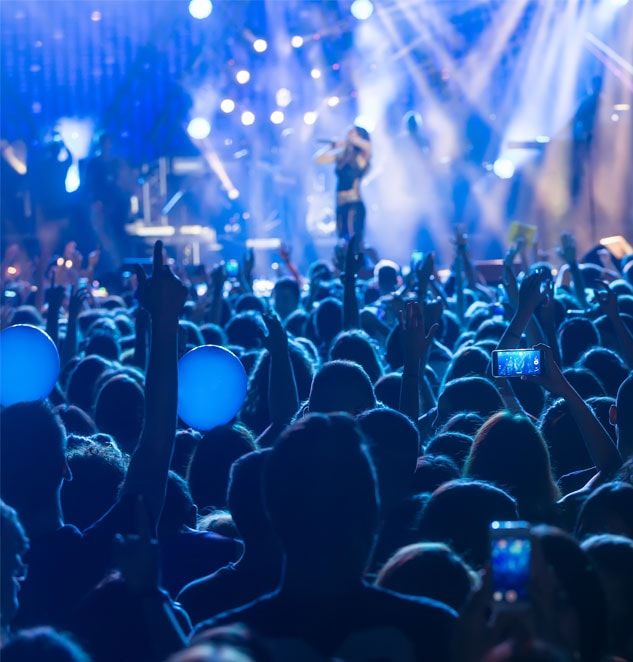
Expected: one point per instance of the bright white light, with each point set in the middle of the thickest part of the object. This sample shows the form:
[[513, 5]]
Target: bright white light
[[200, 8], [76, 135], [248, 118], [283, 97], [260, 45], [277, 117], [615, 117], [227, 105], [242, 76], [316, 74], [542, 139], [503, 168], [332, 102], [296, 41], [233, 194], [619, 3], [72, 178], [365, 122], [310, 117], [198, 128], [362, 9], [95, 17]]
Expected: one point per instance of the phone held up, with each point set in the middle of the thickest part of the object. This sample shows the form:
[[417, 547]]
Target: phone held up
[[510, 564], [516, 362]]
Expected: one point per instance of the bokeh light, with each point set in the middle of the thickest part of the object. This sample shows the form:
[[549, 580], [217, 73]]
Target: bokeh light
[[362, 9], [277, 117], [248, 118], [260, 45], [243, 76], [227, 105], [315, 73], [198, 128], [296, 41], [200, 9], [283, 97], [310, 117], [503, 168]]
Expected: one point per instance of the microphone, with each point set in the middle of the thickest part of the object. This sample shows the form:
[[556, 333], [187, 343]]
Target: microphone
[[326, 141]]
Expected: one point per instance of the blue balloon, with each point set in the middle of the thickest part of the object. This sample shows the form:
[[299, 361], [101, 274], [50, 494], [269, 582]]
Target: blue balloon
[[29, 364], [211, 387]]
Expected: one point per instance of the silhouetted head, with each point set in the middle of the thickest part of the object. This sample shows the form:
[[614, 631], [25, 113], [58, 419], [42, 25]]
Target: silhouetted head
[[584, 382], [75, 420], [329, 319], [119, 411], [580, 610], [473, 394], [608, 509], [459, 514], [358, 347], [429, 570], [105, 345], [577, 335], [607, 366], [32, 459], [622, 417], [432, 471], [211, 463], [81, 383], [393, 443], [510, 452], [320, 494], [454, 445], [44, 645], [13, 546], [467, 362], [179, 511], [387, 390], [246, 330], [286, 297], [341, 386]]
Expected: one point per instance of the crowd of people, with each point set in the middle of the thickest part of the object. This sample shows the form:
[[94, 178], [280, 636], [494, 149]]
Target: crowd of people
[[345, 512]]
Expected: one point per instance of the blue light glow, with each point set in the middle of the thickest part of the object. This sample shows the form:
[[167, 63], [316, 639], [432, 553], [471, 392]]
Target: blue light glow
[[211, 387]]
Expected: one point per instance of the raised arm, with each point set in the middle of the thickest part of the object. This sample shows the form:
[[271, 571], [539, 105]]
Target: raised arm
[[599, 444], [327, 154], [415, 345], [608, 302], [55, 299], [283, 398], [567, 251], [163, 295], [353, 261], [69, 346], [141, 336]]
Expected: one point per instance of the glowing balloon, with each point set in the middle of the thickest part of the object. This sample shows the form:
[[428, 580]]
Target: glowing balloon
[[211, 387], [29, 364]]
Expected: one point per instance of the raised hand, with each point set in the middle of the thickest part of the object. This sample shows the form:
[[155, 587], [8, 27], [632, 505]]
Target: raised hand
[[163, 295], [414, 337], [276, 341], [607, 300], [551, 377], [248, 264], [217, 277], [77, 300], [531, 291], [567, 248], [55, 295]]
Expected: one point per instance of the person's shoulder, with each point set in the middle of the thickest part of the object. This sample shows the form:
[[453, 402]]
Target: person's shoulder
[[249, 614]]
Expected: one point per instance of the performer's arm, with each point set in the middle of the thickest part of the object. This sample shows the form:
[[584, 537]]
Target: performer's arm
[[326, 156], [362, 144]]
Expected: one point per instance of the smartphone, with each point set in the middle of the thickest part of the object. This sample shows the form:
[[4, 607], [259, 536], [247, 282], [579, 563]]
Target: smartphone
[[416, 258], [510, 564], [516, 362], [201, 289], [232, 268], [82, 283]]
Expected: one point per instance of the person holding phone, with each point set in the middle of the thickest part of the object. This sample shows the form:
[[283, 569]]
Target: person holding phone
[[352, 157]]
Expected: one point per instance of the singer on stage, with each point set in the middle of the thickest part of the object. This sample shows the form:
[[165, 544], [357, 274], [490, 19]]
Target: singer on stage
[[352, 157]]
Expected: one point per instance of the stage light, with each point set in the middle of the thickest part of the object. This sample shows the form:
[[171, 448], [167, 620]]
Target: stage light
[[283, 97], [95, 17], [615, 117], [242, 76], [260, 45], [198, 128], [332, 102], [296, 41], [233, 194], [620, 3], [248, 118], [200, 9], [362, 9], [276, 117], [315, 73], [503, 168], [543, 140], [227, 105], [72, 180], [310, 117]]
